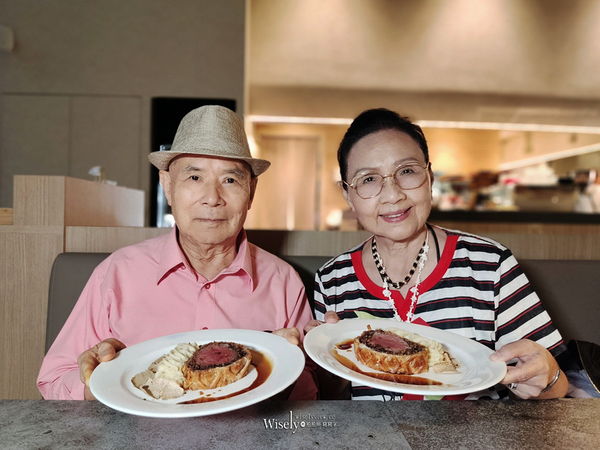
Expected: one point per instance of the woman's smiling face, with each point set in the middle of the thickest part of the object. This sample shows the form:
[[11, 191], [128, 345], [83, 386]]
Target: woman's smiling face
[[395, 214]]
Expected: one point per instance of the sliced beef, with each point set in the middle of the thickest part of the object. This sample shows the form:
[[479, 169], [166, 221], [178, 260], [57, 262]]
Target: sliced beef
[[389, 342], [216, 354]]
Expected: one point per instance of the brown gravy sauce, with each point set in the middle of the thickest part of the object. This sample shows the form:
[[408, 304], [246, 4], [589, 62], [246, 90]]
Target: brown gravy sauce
[[396, 378], [264, 368], [345, 345]]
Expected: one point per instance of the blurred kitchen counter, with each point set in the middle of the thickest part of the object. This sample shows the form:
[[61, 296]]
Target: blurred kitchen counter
[[512, 217]]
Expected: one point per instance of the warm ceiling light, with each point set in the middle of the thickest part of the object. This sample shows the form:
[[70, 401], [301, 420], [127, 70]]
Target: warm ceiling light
[[300, 120], [504, 126], [549, 157], [500, 126]]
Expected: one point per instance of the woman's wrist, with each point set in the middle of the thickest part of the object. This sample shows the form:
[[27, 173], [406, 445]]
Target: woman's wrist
[[552, 382], [557, 387]]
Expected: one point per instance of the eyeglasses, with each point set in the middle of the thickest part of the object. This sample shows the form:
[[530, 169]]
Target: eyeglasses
[[409, 176]]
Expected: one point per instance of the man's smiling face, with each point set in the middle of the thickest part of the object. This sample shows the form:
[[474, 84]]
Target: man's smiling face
[[210, 197]]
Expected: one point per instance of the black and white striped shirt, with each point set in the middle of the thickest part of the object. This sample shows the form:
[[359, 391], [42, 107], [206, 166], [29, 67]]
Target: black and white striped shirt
[[477, 290]]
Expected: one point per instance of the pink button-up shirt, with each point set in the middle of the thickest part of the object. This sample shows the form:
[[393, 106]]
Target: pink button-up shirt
[[149, 290]]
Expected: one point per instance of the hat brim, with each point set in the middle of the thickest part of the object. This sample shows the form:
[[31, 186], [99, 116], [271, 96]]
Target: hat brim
[[162, 159]]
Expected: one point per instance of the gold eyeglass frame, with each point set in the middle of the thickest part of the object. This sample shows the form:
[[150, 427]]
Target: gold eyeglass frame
[[427, 168]]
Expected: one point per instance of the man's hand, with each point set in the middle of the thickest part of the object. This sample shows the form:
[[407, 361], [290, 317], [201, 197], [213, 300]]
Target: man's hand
[[536, 367], [330, 317], [291, 334], [89, 360]]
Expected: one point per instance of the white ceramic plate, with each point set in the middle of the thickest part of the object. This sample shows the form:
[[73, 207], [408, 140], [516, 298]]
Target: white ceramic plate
[[111, 381], [476, 371]]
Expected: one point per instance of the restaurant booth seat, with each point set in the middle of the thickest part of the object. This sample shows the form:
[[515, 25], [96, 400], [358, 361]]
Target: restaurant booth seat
[[569, 289]]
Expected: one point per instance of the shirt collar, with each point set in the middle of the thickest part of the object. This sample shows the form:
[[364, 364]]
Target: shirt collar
[[172, 258]]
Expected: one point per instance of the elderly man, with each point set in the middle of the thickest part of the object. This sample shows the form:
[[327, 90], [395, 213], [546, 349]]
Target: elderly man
[[202, 275]]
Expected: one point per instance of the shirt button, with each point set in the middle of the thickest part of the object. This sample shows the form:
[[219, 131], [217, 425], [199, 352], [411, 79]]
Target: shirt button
[[207, 285]]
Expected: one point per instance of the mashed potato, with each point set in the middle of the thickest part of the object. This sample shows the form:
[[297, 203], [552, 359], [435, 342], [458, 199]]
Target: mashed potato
[[164, 378]]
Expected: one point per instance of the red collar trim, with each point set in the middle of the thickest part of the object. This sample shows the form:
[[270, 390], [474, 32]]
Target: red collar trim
[[400, 302]]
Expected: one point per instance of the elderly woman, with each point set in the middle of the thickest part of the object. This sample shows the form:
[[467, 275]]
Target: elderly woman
[[412, 271]]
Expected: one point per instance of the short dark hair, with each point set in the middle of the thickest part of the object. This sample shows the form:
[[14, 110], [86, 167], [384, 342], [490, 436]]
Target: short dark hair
[[372, 121]]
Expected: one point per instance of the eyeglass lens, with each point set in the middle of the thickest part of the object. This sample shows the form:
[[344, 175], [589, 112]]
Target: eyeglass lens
[[406, 177]]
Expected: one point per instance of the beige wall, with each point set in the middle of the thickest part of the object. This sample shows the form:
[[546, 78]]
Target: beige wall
[[462, 152], [76, 89]]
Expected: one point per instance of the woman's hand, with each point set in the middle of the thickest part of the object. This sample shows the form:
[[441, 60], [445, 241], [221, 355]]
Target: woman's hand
[[291, 334], [330, 317], [89, 360], [535, 369]]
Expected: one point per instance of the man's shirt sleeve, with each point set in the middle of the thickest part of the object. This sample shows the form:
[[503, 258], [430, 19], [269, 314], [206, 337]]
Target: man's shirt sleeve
[[87, 325]]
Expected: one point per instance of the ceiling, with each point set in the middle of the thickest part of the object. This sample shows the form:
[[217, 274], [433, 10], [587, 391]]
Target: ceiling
[[525, 61]]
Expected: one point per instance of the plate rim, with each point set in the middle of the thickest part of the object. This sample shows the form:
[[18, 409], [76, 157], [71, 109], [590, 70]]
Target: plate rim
[[283, 374], [357, 324]]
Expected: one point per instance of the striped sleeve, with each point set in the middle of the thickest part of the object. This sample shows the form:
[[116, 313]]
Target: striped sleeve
[[319, 303], [519, 312]]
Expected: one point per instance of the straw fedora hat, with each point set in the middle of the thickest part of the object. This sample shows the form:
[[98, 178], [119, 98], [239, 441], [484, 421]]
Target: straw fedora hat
[[210, 130]]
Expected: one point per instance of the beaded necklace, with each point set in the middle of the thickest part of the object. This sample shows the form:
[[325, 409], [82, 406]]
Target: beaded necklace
[[417, 266]]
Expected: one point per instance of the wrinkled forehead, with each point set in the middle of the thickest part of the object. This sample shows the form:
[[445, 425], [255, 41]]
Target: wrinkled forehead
[[209, 164]]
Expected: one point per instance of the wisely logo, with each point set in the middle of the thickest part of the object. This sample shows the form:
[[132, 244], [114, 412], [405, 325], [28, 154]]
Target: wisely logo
[[295, 422]]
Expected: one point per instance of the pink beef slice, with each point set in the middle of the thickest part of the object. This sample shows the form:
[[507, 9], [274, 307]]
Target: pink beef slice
[[392, 343], [215, 354], [388, 342]]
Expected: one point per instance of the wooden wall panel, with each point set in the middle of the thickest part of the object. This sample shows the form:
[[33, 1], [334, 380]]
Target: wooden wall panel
[[98, 204], [106, 239], [550, 245], [6, 216], [27, 257], [538, 240], [484, 228], [58, 200], [542, 244], [39, 200], [311, 243]]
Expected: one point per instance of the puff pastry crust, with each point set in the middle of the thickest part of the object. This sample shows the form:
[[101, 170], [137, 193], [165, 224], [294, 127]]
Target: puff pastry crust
[[411, 360], [198, 377]]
